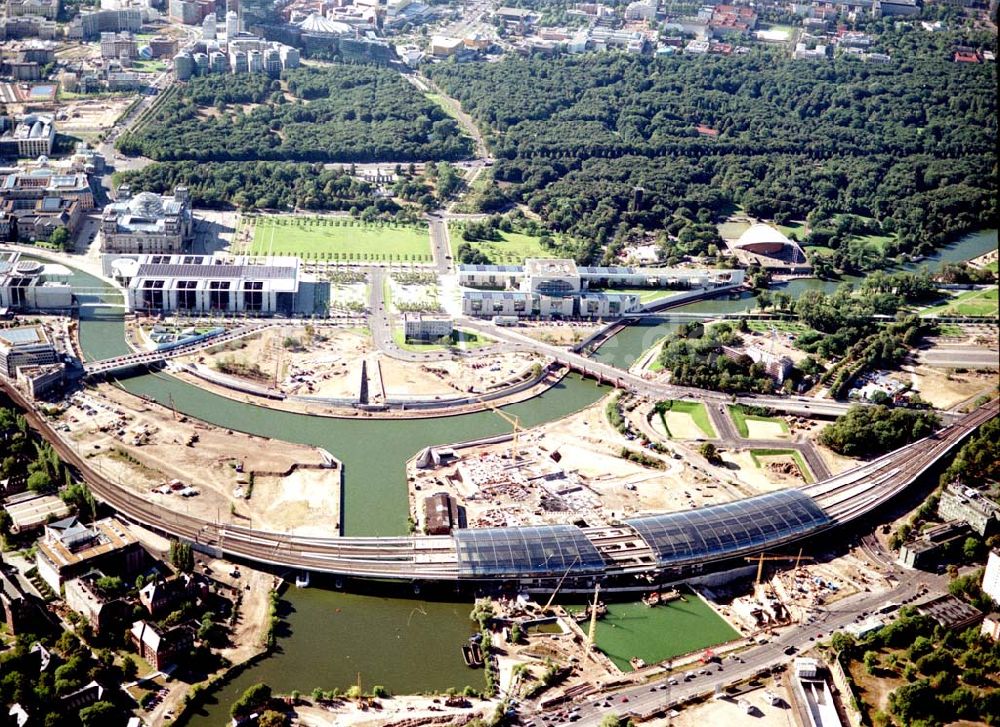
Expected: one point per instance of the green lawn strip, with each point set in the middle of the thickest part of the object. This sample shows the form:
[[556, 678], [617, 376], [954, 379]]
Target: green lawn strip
[[968, 303], [877, 241], [459, 339], [697, 412], [443, 103], [800, 462], [993, 266], [740, 419], [511, 249], [340, 240]]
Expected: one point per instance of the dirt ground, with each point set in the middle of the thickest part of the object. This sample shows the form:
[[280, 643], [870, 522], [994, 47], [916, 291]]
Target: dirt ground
[[143, 447], [389, 710], [559, 334], [680, 424], [764, 430], [91, 115], [588, 448], [782, 469], [946, 389], [328, 362], [728, 712], [759, 479]]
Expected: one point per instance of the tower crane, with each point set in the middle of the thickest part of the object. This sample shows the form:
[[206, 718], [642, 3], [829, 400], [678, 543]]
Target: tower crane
[[514, 421], [762, 557]]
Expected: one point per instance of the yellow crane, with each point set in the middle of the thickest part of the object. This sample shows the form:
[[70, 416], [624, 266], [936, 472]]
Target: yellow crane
[[762, 557], [514, 421]]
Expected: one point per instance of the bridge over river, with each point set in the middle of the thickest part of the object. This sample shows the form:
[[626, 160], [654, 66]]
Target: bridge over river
[[657, 546]]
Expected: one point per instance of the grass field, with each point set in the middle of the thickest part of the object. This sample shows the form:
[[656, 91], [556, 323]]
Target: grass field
[[756, 454], [697, 412], [740, 418], [659, 633], [969, 303], [340, 240], [459, 339], [818, 250], [150, 66], [731, 230], [793, 228], [512, 249]]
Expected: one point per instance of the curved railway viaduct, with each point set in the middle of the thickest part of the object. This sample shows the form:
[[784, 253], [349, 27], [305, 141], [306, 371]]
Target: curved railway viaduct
[[658, 547]]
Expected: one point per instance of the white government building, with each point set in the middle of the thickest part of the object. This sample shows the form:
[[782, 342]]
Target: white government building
[[147, 223], [214, 284], [557, 287], [32, 285]]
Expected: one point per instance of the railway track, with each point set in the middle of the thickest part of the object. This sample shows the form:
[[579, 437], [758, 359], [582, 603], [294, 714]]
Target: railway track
[[848, 495]]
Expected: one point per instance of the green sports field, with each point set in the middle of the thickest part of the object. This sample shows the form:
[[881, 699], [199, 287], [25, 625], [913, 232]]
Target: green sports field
[[340, 240]]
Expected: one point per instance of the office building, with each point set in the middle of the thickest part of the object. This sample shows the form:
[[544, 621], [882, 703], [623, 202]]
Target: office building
[[161, 647], [977, 509], [28, 285], [106, 613], [30, 136], [24, 346], [147, 223], [558, 288], [39, 222], [25, 188], [424, 327], [119, 45], [48, 9], [991, 576]]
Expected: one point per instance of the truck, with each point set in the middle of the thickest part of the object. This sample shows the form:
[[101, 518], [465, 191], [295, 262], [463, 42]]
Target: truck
[[505, 320]]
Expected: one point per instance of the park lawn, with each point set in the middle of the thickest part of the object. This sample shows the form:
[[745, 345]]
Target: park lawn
[[877, 241], [969, 303], [340, 239], [993, 266], [149, 66], [818, 250], [512, 249], [459, 339], [697, 412], [793, 327], [756, 454], [793, 228], [740, 418]]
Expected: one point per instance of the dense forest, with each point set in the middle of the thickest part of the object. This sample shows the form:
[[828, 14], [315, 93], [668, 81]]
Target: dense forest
[[337, 113], [263, 185], [909, 144]]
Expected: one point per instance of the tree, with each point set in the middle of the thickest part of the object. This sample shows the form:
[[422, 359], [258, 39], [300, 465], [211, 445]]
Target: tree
[[870, 661], [130, 669], [60, 237], [271, 718], [710, 452], [99, 714], [254, 698]]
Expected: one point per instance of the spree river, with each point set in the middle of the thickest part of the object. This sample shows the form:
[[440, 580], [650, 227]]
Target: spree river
[[408, 645]]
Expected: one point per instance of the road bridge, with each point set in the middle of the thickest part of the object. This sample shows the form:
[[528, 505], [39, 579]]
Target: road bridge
[[143, 359], [835, 501]]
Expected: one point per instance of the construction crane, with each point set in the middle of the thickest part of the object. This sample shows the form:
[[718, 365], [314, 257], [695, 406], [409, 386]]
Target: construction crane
[[514, 421], [762, 557], [592, 631], [548, 605]]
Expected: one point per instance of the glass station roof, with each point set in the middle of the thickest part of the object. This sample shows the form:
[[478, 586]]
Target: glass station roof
[[550, 550], [729, 529]]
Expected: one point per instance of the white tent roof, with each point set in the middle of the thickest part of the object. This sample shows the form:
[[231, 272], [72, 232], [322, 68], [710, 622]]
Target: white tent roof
[[759, 233]]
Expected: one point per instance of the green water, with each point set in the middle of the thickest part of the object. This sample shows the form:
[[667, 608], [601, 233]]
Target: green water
[[661, 632], [406, 646]]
